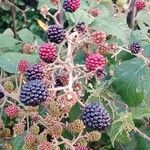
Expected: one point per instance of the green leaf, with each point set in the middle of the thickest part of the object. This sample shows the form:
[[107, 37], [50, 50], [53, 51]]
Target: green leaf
[[132, 82], [9, 61], [114, 26], [79, 58], [142, 143], [116, 129], [141, 112], [7, 41], [26, 35], [75, 112], [18, 142], [79, 16]]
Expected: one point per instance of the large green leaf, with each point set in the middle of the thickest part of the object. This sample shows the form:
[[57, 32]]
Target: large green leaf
[[114, 26], [132, 81], [26, 35], [79, 16], [117, 128], [7, 41], [141, 112], [9, 61]]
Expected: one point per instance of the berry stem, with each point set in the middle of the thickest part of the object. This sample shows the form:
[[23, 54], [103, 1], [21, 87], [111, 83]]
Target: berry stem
[[142, 134]]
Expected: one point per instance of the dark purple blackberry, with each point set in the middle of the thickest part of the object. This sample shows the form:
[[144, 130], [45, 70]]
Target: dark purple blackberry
[[34, 72], [96, 116], [80, 27], [71, 5], [135, 47], [1, 95], [56, 34], [33, 93]]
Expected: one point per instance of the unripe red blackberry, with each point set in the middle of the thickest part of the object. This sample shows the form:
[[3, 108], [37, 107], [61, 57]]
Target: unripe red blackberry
[[94, 61], [96, 117], [81, 148], [33, 93], [135, 47], [98, 37], [55, 130], [56, 34], [12, 111], [19, 128], [48, 52], [140, 4], [94, 12], [23, 66], [9, 86], [30, 139], [44, 146], [34, 72], [71, 5], [27, 48], [81, 27], [94, 136], [103, 48]]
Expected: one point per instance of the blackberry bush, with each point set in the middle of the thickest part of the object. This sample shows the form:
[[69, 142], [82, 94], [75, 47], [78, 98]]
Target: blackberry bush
[[69, 80]]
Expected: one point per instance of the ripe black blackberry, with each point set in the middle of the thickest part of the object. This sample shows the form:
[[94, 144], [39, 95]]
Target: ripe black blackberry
[[56, 34], [96, 116], [33, 93], [81, 27], [1, 95], [34, 72], [135, 47]]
